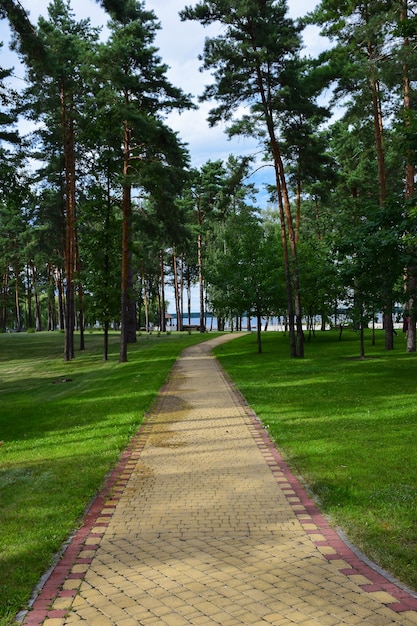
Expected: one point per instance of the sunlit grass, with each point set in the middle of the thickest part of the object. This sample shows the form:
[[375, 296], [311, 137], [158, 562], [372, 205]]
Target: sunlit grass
[[348, 427], [62, 428]]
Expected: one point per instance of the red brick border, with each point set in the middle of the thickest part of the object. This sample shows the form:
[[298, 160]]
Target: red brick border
[[102, 506]]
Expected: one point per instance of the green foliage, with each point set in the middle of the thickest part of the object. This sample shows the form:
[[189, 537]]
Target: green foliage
[[243, 267], [257, 42], [348, 427]]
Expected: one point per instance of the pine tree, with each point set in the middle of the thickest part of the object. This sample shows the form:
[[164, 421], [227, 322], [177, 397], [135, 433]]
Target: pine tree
[[135, 92], [249, 60]]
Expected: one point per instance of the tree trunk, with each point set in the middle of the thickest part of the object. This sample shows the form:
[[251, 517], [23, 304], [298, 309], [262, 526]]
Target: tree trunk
[[5, 291], [287, 273], [127, 218], [60, 292], [200, 268], [259, 331], [182, 281], [145, 302], [38, 320], [162, 324], [188, 301], [69, 156], [131, 299], [298, 209], [362, 341], [81, 316], [294, 260], [106, 268], [379, 143], [51, 299], [106, 341], [287, 226], [18, 319], [409, 192], [29, 322], [389, 328], [411, 290], [80, 293], [176, 290]]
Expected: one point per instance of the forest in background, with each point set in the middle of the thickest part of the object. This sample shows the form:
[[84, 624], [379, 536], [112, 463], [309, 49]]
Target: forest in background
[[100, 208]]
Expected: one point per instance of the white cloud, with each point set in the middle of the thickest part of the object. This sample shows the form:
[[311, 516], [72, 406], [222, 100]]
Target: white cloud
[[179, 44]]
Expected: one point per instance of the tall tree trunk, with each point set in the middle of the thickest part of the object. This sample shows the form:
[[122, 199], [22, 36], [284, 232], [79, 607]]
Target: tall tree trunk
[[287, 274], [298, 208], [145, 301], [127, 218], [188, 300], [106, 269], [51, 299], [106, 341], [291, 269], [259, 331], [38, 320], [294, 259], [80, 292], [362, 340], [81, 316], [411, 284], [18, 319], [5, 293], [411, 271], [29, 322], [60, 292], [388, 326], [177, 289], [69, 156], [410, 167], [181, 289], [162, 307], [382, 177], [200, 267], [379, 142], [131, 299]]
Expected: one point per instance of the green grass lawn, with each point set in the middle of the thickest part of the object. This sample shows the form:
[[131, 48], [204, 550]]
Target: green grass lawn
[[348, 427], [62, 428]]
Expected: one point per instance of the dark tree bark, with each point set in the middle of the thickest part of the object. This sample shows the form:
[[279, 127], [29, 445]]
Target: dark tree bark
[[70, 253], [126, 229]]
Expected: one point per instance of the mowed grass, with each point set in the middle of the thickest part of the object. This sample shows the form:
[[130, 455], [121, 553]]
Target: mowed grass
[[348, 427], [62, 429]]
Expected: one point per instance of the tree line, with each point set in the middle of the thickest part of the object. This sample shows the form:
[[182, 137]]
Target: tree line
[[100, 207]]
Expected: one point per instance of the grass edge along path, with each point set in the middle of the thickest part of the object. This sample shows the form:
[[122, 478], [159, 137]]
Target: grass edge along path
[[63, 427], [348, 427]]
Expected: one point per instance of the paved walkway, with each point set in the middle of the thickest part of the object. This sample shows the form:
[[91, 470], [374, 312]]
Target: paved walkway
[[202, 523]]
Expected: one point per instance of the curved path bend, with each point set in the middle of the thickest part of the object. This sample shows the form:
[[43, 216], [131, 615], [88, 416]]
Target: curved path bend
[[202, 523]]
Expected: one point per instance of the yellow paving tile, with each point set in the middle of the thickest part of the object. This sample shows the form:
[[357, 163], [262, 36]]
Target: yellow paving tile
[[60, 604], [71, 584], [382, 596], [80, 568], [359, 579]]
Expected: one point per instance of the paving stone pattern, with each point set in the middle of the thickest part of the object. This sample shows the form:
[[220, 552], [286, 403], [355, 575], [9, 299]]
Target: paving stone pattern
[[202, 523]]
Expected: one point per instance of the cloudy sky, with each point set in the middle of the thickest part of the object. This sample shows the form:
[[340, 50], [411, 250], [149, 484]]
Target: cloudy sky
[[179, 43]]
